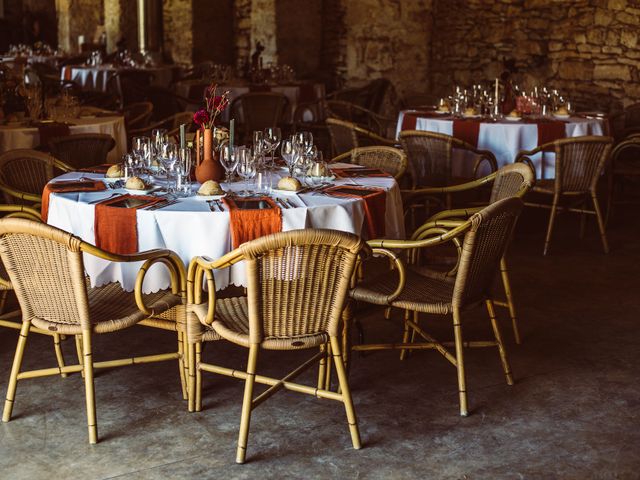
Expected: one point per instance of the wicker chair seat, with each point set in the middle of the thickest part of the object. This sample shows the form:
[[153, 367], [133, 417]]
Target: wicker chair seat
[[232, 323], [423, 292], [547, 186], [112, 309]]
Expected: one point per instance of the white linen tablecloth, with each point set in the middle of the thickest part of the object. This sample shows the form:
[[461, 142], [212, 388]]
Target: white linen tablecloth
[[190, 228], [13, 137], [96, 78], [505, 139]]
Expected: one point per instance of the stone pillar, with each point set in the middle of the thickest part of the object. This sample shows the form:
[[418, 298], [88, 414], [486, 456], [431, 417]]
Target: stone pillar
[[150, 26], [263, 29], [177, 23], [121, 22], [75, 18]]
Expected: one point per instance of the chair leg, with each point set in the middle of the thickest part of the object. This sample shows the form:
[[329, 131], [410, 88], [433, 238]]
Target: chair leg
[[462, 382], [191, 377], [346, 394], [15, 370], [405, 335], [496, 332], [89, 386], [3, 300], [583, 221], [601, 227], [510, 304], [58, 350], [198, 378], [182, 365], [552, 217], [322, 366], [247, 402], [78, 339]]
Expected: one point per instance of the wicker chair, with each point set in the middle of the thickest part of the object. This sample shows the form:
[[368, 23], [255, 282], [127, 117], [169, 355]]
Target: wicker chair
[[46, 268], [260, 110], [297, 286], [172, 124], [625, 165], [82, 150], [361, 116], [137, 115], [579, 163], [482, 240], [513, 180], [388, 159], [346, 136], [24, 174]]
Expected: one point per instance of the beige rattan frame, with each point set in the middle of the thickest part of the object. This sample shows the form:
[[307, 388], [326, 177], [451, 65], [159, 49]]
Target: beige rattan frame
[[298, 251], [74, 296], [388, 159], [357, 136]]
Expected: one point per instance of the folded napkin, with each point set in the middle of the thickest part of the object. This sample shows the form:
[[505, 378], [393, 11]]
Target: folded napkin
[[48, 131], [97, 168], [251, 223], [467, 130], [550, 131], [375, 205], [67, 186], [359, 172], [116, 227]]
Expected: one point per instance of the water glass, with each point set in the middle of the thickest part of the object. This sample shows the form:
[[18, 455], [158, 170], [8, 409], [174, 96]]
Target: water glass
[[272, 138], [290, 151], [246, 169], [229, 161]]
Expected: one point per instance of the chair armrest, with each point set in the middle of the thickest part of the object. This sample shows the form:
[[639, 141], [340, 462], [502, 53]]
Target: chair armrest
[[399, 265], [461, 187], [342, 157], [26, 196], [526, 159], [445, 219], [21, 211], [485, 156]]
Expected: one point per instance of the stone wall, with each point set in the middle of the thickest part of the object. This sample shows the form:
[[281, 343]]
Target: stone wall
[[75, 18], [587, 49]]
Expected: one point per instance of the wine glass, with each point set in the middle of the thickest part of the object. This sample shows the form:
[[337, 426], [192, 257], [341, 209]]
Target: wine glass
[[183, 171], [290, 151], [159, 136], [229, 161], [168, 156], [246, 169], [305, 140], [272, 138], [259, 146]]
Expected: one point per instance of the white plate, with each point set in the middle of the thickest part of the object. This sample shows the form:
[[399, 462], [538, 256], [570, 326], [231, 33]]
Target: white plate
[[112, 179], [471, 116], [140, 192], [208, 197], [285, 192], [563, 117], [512, 119], [443, 112]]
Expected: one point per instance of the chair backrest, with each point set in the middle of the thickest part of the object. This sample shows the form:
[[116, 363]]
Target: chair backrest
[[261, 110], [513, 180], [580, 162], [429, 157], [26, 170], [485, 243], [46, 269], [298, 282], [343, 135], [388, 159], [137, 114], [82, 150]]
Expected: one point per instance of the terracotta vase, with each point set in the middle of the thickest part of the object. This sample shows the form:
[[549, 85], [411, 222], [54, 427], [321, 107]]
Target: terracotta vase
[[208, 165]]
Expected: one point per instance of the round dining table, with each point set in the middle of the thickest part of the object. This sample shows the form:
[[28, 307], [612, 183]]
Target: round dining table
[[191, 226], [96, 78], [503, 137], [15, 135]]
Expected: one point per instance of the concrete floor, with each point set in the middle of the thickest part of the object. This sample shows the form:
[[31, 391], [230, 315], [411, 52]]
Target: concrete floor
[[573, 413]]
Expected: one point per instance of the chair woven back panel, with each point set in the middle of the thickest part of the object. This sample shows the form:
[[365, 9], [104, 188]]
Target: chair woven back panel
[[82, 151], [484, 245], [578, 163], [41, 273], [262, 110], [388, 160], [26, 174], [343, 137], [506, 185], [429, 158]]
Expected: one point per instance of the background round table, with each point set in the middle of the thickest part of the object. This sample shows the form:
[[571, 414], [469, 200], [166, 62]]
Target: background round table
[[96, 78], [190, 228], [19, 135]]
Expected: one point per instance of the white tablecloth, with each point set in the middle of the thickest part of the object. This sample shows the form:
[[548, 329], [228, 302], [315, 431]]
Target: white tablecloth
[[505, 139], [96, 78], [190, 229], [12, 137]]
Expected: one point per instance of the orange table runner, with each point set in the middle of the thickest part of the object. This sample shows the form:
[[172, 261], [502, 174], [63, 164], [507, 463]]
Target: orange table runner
[[116, 227], [249, 222], [65, 187], [467, 131], [550, 131], [375, 205]]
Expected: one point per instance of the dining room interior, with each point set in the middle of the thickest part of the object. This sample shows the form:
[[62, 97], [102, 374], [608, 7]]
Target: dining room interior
[[407, 230]]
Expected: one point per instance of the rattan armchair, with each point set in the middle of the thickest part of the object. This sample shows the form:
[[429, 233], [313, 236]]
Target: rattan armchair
[[297, 287], [346, 136], [579, 163], [482, 240], [46, 268], [172, 124], [82, 150], [24, 174], [259, 110], [361, 116], [625, 165], [388, 159]]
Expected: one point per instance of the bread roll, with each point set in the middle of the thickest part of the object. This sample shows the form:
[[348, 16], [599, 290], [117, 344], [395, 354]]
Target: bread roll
[[562, 111], [514, 113], [289, 183], [210, 187], [115, 171], [135, 183], [469, 112]]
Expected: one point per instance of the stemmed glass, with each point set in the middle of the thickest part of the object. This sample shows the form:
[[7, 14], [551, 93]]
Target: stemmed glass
[[305, 140], [141, 149], [246, 168], [159, 136], [183, 171], [168, 156], [229, 161], [291, 152], [260, 146], [272, 138]]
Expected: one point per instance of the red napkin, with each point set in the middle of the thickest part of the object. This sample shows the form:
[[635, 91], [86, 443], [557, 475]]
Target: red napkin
[[116, 228], [67, 186], [359, 172], [375, 206], [550, 131], [247, 225], [467, 131], [48, 131]]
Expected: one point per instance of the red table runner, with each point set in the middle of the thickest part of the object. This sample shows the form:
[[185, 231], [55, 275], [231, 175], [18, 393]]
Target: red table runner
[[251, 223], [375, 205], [67, 186], [467, 130]]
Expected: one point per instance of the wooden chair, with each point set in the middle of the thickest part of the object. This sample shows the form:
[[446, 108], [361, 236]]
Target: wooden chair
[[82, 150], [259, 110], [46, 269], [579, 163], [361, 116], [513, 180], [24, 174], [482, 241], [346, 136], [297, 286], [388, 159], [625, 165]]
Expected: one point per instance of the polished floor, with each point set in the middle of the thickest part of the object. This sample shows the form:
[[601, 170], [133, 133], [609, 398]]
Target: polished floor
[[573, 413]]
